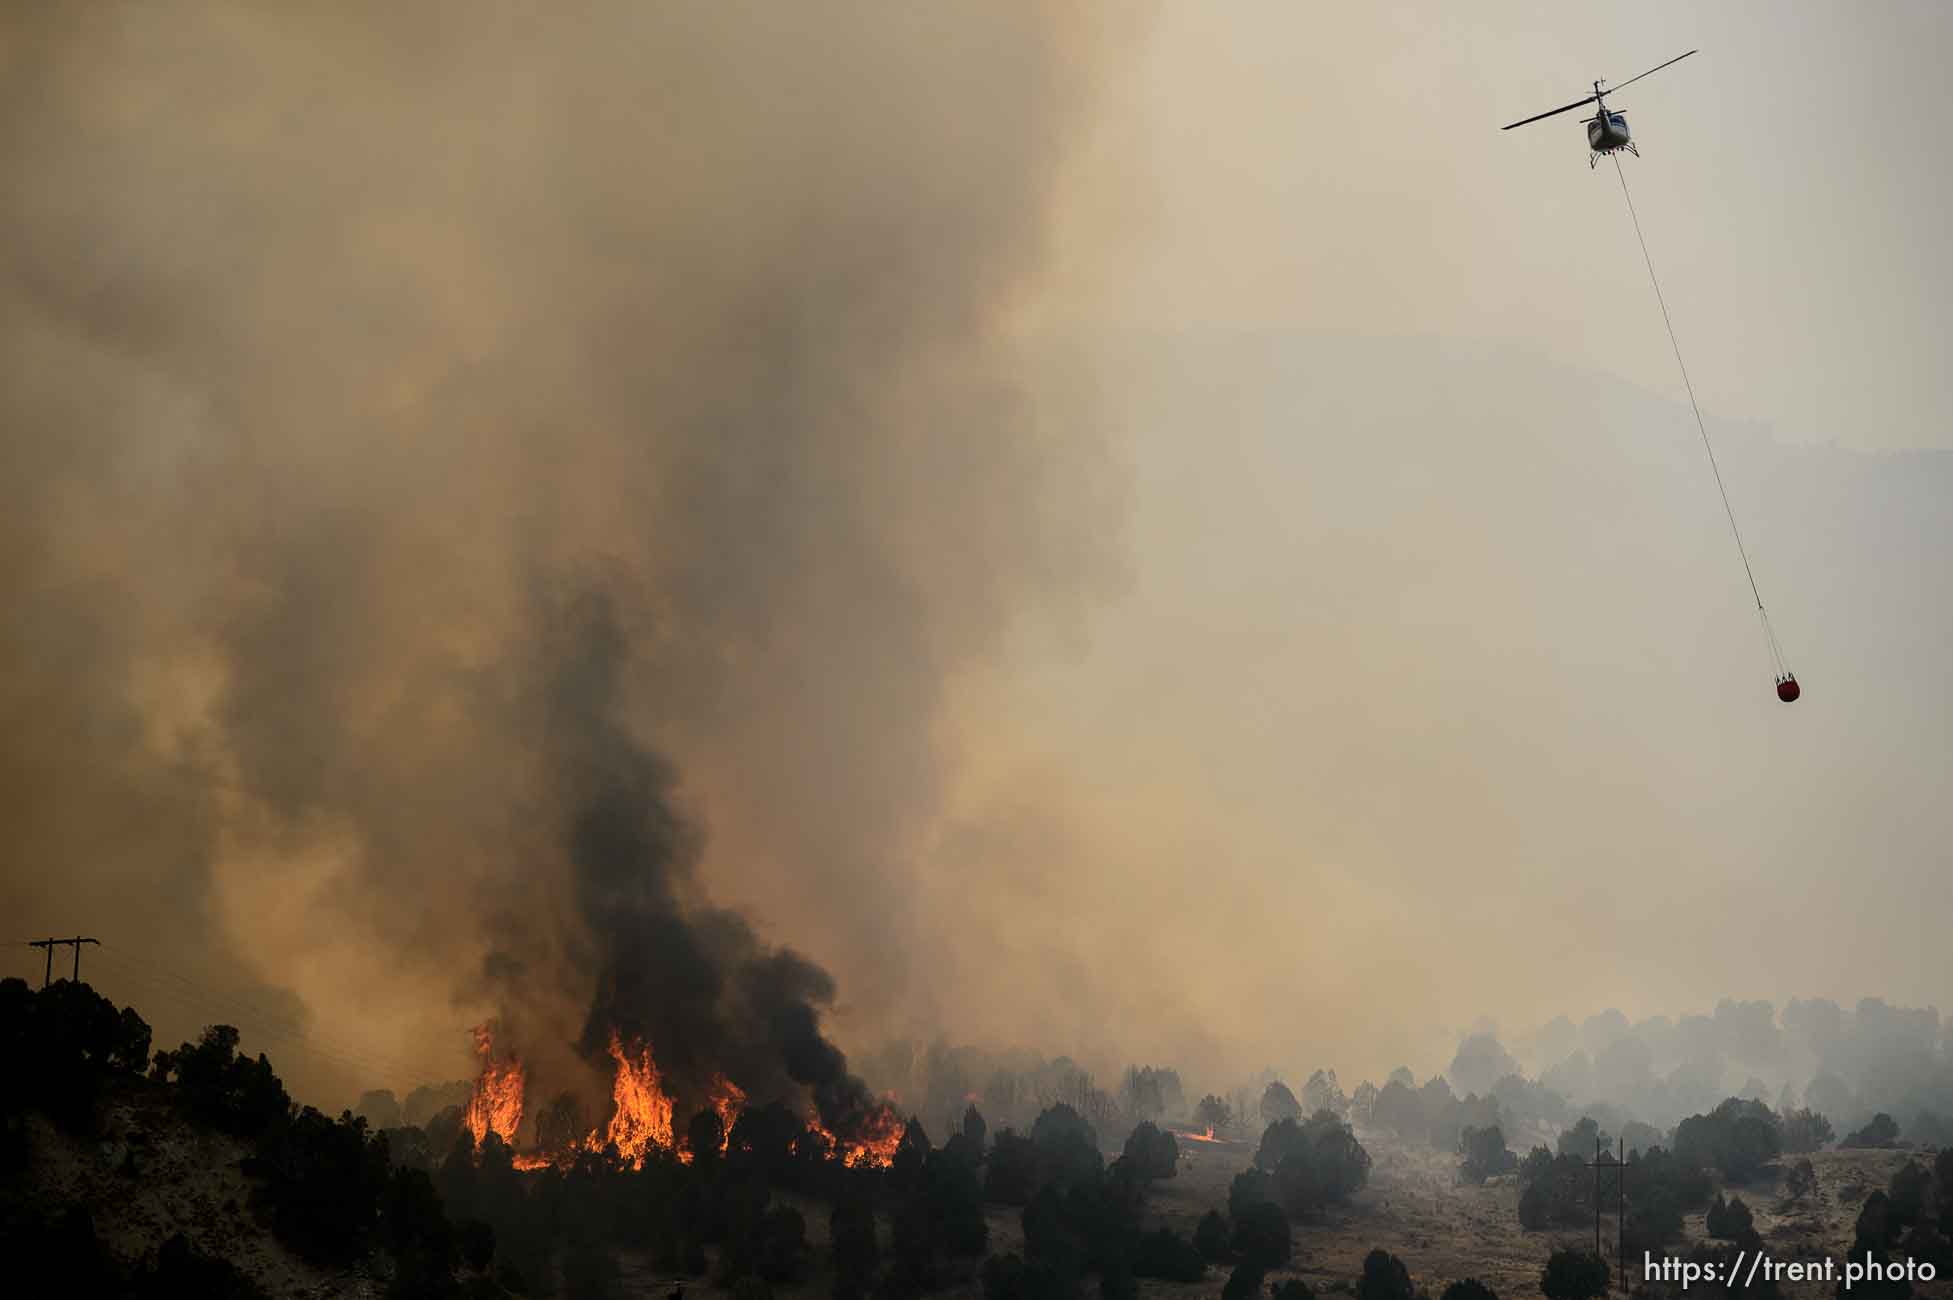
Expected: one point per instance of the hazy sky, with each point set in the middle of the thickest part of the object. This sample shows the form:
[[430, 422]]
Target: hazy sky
[[1158, 536], [1436, 679]]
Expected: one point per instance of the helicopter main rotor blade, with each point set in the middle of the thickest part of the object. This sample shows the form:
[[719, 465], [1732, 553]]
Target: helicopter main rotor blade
[[1551, 112], [1657, 68]]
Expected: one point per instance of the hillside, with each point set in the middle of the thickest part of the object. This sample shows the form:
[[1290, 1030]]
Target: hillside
[[149, 1175]]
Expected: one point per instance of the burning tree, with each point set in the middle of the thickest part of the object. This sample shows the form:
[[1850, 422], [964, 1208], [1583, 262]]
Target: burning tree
[[640, 1124], [1213, 1113], [687, 1008]]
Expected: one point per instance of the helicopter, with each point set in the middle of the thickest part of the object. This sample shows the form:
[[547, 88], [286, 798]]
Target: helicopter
[[1607, 130]]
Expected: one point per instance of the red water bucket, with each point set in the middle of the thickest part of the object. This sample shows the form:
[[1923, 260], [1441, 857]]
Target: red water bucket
[[1787, 688]]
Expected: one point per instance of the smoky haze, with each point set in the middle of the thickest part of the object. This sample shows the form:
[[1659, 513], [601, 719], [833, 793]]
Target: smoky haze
[[1158, 540], [351, 353]]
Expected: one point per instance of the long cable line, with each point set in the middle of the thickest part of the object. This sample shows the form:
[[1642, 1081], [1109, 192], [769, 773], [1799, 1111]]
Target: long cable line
[[282, 1036], [1769, 633], [204, 1000], [159, 980]]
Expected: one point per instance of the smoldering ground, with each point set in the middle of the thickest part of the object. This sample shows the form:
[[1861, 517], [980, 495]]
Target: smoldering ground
[[377, 378]]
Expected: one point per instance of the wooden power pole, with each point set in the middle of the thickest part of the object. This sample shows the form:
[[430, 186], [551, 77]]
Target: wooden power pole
[[47, 973], [1619, 1166]]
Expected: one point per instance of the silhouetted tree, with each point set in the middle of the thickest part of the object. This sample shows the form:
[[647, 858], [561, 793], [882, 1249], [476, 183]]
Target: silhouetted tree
[[1908, 1193], [1278, 1103], [1363, 1104], [1481, 1061], [379, 1108], [782, 1244], [561, 1123], [1261, 1236], [1638, 1137], [1250, 1187], [1384, 1278], [1875, 1230], [1003, 1277], [851, 1238], [1011, 1173], [1398, 1109], [1244, 1283], [1322, 1092], [705, 1135], [417, 1233], [475, 1240], [1213, 1113], [589, 1270], [1739, 1137], [1450, 1117], [181, 1270], [1573, 1275], [62, 1044], [1728, 1220], [1068, 1149], [1582, 1139], [224, 1089], [911, 1154], [1485, 1154], [1211, 1237], [323, 1184], [1117, 1280], [1151, 1152], [1469, 1289], [1882, 1131], [1805, 1131], [955, 1202], [444, 1129], [1664, 1189], [1313, 1164], [1165, 1254], [1150, 1093], [1927, 1245], [1554, 1189]]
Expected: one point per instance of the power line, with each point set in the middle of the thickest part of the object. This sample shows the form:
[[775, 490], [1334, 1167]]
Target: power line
[[47, 973], [1769, 634], [157, 979]]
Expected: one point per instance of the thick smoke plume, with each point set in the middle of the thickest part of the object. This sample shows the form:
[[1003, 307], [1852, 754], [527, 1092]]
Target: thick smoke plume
[[417, 418], [692, 980]]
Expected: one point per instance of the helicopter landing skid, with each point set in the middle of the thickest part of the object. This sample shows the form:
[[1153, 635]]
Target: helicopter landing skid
[[1593, 159]]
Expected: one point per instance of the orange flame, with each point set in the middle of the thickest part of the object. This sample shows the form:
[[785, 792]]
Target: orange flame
[[880, 1136], [875, 1146], [495, 1105], [727, 1098], [642, 1111], [641, 1117]]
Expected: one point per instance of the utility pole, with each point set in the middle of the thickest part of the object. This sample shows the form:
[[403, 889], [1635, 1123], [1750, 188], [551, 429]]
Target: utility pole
[[47, 973], [1619, 1165]]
